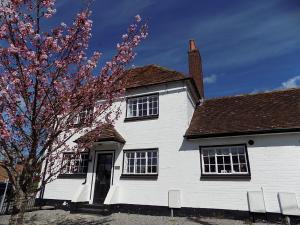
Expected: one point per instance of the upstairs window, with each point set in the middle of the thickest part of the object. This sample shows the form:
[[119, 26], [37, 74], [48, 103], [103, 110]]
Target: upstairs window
[[75, 164], [141, 162], [143, 106], [225, 160], [84, 117]]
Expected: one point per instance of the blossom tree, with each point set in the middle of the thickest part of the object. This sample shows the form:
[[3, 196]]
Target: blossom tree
[[46, 80]]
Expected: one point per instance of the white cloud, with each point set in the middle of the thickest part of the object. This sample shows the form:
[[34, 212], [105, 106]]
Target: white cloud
[[291, 83], [210, 79]]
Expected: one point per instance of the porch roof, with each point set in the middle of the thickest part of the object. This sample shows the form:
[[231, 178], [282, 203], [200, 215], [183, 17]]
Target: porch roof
[[106, 132]]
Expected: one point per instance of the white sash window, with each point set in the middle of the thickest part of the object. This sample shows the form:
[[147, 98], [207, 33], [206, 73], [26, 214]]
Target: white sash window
[[142, 106], [224, 160], [141, 162], [75, 164]]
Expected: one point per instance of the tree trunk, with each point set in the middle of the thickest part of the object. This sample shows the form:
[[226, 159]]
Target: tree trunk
[[19, 206]]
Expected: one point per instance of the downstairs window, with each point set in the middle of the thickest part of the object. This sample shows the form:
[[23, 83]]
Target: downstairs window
[[141, 162], [75, 164], [224, 160]]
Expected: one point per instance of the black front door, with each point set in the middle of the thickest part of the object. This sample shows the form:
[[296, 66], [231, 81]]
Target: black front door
[[103, 176]]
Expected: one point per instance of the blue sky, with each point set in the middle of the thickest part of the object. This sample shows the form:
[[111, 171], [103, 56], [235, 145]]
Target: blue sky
[[246, 46]]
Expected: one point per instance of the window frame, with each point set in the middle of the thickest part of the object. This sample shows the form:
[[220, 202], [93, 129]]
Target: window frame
[[74, 175], [225, 175], [155, 116], [88, 114], [140, 175]]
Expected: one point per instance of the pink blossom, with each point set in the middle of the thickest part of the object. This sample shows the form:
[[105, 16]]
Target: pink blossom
[[47, 79], [138, 18]]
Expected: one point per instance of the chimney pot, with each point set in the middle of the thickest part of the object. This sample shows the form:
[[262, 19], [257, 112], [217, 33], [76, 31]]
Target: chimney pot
[[192, 45]]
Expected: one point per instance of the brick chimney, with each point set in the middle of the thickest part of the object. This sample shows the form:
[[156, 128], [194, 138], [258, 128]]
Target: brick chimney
[[195, 67]]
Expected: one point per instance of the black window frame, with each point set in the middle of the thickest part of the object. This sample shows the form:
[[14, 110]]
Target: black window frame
[[74, 175], [142, 117], [225, 176], [141, 175], [86, 120]]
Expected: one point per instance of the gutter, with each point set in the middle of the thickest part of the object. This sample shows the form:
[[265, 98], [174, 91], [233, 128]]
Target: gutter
[[234, 134]]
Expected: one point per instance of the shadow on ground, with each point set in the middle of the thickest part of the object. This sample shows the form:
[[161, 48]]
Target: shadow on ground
[[84, 222], [66, 221], [200, 221]]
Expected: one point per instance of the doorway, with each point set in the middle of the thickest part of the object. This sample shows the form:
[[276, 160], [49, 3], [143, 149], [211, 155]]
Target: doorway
[[103, 176]]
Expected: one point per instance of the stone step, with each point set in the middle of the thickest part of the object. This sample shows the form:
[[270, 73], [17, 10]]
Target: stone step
[[100, 209]]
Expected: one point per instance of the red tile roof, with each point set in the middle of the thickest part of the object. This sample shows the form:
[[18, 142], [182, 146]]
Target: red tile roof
[[150, 75], [105, 133], [4, 175], [277, 111]]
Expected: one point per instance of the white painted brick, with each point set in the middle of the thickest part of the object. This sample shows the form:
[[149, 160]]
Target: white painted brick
[[274, 162]]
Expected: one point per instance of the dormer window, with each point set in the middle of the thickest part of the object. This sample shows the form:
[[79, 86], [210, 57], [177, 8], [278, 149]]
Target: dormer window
[[142, 107]]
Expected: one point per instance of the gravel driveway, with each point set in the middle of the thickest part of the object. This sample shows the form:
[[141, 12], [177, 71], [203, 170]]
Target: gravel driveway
[[60, 217]]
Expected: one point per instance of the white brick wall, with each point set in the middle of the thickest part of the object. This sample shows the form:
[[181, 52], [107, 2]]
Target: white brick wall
[[274, 161]]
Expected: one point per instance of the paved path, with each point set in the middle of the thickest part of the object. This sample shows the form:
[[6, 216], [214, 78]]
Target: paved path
[[60, 217]]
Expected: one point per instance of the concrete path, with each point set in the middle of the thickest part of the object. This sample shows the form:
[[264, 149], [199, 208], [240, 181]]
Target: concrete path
[[60, 217]]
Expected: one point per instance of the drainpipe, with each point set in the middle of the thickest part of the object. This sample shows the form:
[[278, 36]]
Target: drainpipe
[[3, 197], [43, 180]]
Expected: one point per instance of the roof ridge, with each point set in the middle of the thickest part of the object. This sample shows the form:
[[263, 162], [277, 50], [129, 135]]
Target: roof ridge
[[251, 94], [159, 67]]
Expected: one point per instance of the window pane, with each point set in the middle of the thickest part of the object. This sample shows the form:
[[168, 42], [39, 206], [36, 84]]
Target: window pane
[[228, 168], [220, 159], [219, 152], [131, 169], [233, 150], [235, 159], [212, 152], [154, 169], [153, 106], [132, 108], [206, 168], [243, 168], [212, 160], [241, 150], [225, 151], [220, 168], [236, 168], [205, 160], [212, 168], [226, 159], [242, 158], [154, 161], [204, 152]]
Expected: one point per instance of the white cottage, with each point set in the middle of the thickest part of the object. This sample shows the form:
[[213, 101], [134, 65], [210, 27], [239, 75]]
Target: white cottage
[[173, 148]]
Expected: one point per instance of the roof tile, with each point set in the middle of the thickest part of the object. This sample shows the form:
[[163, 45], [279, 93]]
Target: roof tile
[[106, 132], [150, 75], [254, 113]]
